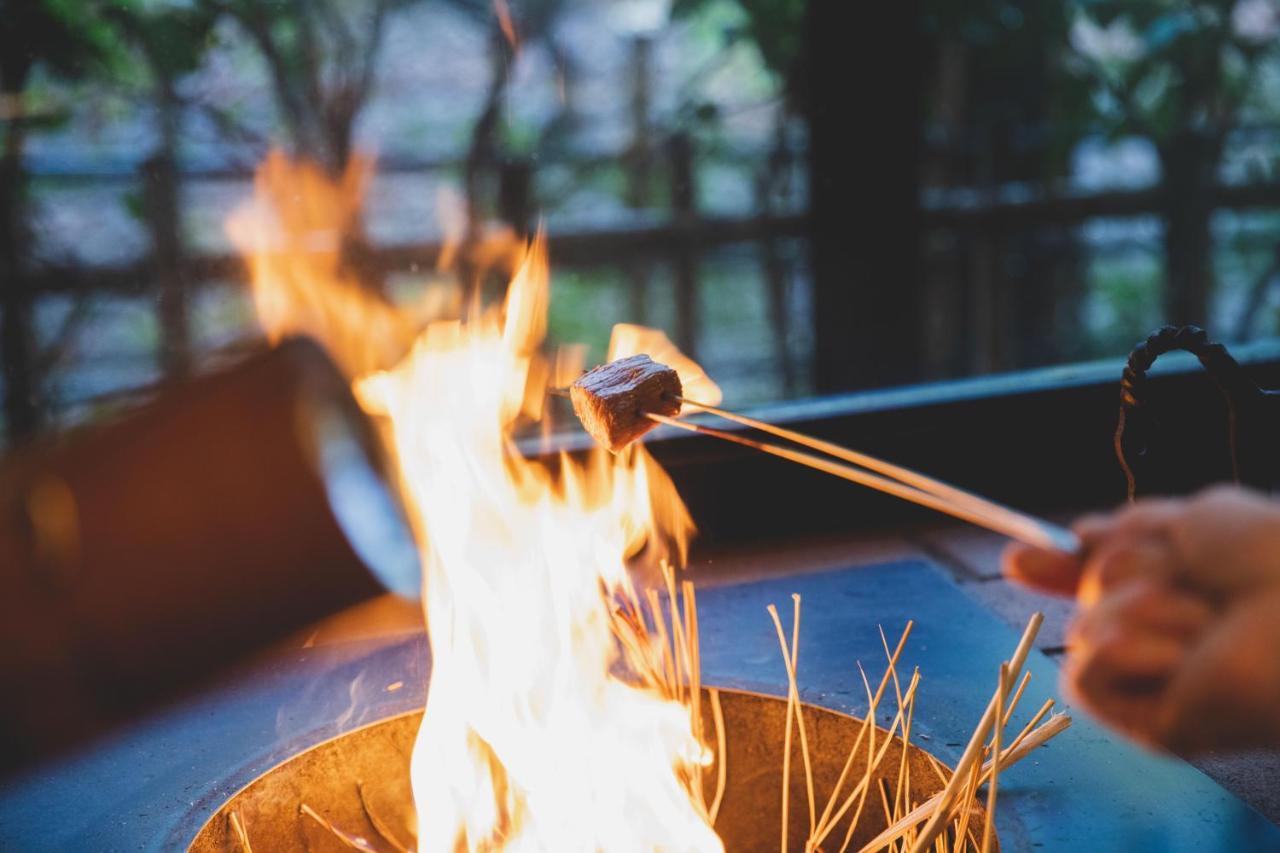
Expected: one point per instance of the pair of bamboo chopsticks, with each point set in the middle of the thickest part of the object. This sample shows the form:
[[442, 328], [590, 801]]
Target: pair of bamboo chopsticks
[[886, 477]]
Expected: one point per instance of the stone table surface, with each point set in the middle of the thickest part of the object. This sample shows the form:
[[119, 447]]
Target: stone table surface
[[972, 559], [957, 556]]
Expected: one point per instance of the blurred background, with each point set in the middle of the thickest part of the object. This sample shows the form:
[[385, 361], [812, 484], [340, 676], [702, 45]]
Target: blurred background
[[808, 197]]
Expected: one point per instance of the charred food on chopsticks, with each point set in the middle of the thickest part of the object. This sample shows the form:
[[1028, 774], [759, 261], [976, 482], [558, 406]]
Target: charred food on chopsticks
[[614, 399]]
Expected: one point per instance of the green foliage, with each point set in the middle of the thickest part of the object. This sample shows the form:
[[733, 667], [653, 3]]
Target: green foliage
[[983, 24], [775, 26], [1161, 68], [134, 205], [1125, 295], [67, 38], [584, 307], [321, 56], [171, 36], [1007, 58], [521, 138]]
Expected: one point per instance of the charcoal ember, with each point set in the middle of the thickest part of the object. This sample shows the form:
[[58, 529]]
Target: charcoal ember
[[611, 400]]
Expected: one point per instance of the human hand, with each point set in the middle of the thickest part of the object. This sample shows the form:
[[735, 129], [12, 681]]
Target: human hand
[[1177, 642]]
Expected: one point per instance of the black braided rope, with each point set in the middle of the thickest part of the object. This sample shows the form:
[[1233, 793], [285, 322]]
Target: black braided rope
[[1218, 363]]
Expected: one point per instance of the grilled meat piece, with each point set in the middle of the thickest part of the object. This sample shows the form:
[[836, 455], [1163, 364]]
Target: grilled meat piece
[[611, 400]]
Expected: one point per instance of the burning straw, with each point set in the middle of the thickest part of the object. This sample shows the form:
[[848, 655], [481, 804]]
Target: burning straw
[[912, 825]]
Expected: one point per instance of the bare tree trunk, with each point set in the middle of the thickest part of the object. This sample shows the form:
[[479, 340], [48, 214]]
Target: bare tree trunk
[[515, 194], [161, 184], [482, 154], [17, 336], [479, 168], [322, 77]]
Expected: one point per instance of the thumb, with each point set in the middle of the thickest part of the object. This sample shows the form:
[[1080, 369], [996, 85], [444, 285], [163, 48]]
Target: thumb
[[1045, 570], [1060, 573]]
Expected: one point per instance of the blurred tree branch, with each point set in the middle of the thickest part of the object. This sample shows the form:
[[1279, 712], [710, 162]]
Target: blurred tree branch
[[171, 41], [775, 26], [322, 56]]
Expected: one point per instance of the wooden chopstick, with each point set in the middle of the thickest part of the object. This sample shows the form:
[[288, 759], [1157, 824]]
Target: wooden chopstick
[[900, 482], [920, 481]]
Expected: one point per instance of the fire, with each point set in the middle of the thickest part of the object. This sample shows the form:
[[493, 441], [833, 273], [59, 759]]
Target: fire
[[292, 237], [629, 339], [539, 732]]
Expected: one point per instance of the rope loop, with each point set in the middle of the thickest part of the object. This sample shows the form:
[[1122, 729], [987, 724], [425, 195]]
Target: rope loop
[[1218, 363]]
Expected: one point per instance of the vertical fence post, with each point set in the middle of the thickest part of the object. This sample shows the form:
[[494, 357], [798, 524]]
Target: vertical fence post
[[639, 169], [160, 204], [640, 155], [684, 211], [774, 266], [22, 409]]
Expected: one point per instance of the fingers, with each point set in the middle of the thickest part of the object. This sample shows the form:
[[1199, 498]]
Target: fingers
[[1145, 606], [1124, 652], [1062, 574], [1047, 571], [1226, 538], [1121, 677], [1178, 640], [1121, 561], [1112, 564]]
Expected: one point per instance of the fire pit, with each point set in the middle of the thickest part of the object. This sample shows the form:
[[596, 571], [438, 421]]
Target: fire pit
[[158, 785], [359, 783]]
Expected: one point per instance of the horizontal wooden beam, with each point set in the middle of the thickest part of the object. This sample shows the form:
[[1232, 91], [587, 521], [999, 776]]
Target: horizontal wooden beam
[[1010, 206], [1022, 204], [573, 249]]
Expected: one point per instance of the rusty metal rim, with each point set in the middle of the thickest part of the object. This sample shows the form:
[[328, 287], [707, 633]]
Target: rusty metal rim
[[218, 812], [278, 765]]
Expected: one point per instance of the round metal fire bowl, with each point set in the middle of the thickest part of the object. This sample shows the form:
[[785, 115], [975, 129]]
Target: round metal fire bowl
[[366, 772]]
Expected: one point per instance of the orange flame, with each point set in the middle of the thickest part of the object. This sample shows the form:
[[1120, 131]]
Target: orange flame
[[629, 339], [292, 236], [539, 733]]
